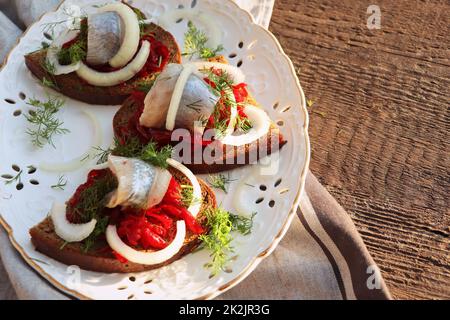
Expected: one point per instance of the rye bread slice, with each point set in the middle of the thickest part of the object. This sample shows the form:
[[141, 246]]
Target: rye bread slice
[[49, 243], [74, 87], [229, 159]]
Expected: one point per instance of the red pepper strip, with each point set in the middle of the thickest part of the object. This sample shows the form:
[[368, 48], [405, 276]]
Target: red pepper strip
[[165, 221], [240, 92], [151, 240], [119, 257], [137, 230], [182, 213], [159, 230], [173, 194]]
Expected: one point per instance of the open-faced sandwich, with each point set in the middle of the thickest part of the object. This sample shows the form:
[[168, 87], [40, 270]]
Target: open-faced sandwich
[[220, 125], [129, 216], [138, 211], [105, 56]]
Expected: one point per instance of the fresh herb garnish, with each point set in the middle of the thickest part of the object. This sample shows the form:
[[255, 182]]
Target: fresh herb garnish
[[244, 124], [195, 43], [102, 154], [62, 182], [133, 148], [73, 20], [145, 85], [187, 196], [50, 69], [242, 224], [221, 223], [219, 181], [10, 179], [100, 228], [91, 200], [49, 83], [46, 125], [77, 51], [158, 158], [141, 19], [130, 148], [219, 238], [221, 85]]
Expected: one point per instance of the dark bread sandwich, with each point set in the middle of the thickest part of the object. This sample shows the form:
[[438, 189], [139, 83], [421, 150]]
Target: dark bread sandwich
[[109, 55], [144, 217], [209, 105]]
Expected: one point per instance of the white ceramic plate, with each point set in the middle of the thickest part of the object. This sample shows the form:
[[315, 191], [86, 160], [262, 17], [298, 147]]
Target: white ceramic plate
[[272, 81]]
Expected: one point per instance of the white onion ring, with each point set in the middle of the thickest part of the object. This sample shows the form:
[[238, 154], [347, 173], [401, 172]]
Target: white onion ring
[[261, 125], [237, 75], [131, 36], [195, 205], [146, 257], [55, 48], [70, 232], [171, 17], [78, 162], [177, 95], [107, 79]]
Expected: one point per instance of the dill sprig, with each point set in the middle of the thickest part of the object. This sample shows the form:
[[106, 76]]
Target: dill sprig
[[219, 181], [195, 43], [244, 124], [9, 179], [187, 195], [102, 154], [221, 223], [133, 148], [219, 238], [45, 124], [152, 155], [91, 200], [145, 85], [242, 224], [62, 182], [76, 51], [50, 70], [72, 19], [100, 228], [130, 148], [222, 87], [141, 19]]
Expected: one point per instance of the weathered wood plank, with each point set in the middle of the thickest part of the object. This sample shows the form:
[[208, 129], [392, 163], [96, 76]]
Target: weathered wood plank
[[380, 126]]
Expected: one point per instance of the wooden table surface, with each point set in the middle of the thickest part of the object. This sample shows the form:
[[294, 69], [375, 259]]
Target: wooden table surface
[[380, 126]]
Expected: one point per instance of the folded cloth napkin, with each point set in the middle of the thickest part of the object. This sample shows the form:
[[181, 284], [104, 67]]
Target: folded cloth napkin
[[321, 257]]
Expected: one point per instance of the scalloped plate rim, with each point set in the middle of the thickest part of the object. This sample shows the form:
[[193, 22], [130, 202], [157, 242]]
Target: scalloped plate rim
[[260, 256]]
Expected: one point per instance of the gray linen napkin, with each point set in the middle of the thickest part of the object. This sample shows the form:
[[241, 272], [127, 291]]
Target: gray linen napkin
[[321, 257]]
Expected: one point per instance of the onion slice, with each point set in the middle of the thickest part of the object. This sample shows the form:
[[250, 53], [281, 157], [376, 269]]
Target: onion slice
[[236, 74], [55, 48], [131, 36], [177, 95], [107, 79], [146, 257], [70, 232], [77, 162], [261, 125], [195, 205]]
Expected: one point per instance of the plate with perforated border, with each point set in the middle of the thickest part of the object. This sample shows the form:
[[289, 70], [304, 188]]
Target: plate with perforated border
[[26, 192]]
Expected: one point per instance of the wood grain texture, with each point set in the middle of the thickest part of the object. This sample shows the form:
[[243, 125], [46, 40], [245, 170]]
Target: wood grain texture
[[380, 126]]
